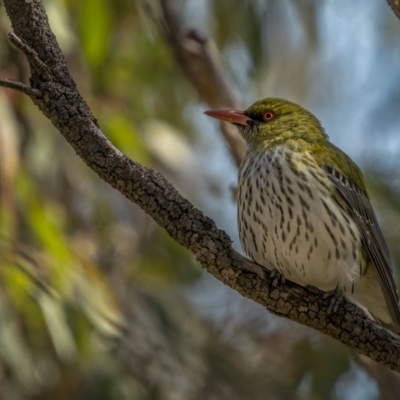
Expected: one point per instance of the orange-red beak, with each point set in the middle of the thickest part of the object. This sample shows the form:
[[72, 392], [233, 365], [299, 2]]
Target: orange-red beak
[[232, 116]]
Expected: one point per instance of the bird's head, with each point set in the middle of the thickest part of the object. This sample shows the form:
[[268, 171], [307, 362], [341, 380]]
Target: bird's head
[[272, 121]]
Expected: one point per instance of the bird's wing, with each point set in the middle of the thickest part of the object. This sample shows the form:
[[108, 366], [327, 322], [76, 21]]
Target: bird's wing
[[359, 207]]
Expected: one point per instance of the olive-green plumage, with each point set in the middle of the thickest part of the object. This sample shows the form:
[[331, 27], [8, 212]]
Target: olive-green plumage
[[299, 129], [303, 209]]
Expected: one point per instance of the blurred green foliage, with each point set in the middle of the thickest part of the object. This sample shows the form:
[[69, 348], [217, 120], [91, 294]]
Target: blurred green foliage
[[96, 301]]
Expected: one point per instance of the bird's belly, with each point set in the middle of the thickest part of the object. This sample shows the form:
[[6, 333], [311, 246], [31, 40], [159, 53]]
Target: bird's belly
[[290, 223]]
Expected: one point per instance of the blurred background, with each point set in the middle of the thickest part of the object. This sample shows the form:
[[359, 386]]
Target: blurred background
[[96, 301]]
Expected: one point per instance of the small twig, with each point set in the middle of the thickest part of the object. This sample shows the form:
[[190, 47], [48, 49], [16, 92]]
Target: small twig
[[32, 57], [20, 87]]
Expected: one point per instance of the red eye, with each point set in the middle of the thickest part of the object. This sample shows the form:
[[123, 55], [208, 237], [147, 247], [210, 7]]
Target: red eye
[[268, 115]]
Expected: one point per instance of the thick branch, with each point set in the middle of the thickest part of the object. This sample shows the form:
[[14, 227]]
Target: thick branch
[[63, 105]]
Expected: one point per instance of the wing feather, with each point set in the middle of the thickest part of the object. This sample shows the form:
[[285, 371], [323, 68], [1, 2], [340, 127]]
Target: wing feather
[[357, 204]]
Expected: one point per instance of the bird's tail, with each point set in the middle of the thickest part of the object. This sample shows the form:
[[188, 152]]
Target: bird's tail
[[370, 295]]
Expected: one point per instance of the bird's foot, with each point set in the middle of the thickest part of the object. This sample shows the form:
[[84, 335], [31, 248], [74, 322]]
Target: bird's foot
[[336, 298], [276, 277], [253, 267], [314, 290]]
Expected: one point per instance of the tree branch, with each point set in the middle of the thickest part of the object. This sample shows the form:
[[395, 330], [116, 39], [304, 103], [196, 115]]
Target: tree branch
[[395, 5], [19, 87], [387, 381], [200, 61], [69, 113], [34, 61]]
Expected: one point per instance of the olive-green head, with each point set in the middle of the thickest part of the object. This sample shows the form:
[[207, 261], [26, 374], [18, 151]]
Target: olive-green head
[[272, 122]]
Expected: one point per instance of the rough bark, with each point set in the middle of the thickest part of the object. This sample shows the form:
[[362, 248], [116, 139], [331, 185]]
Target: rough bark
[[57, 97]]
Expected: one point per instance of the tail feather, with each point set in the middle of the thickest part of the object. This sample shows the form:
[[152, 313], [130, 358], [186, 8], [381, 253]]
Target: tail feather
[[369, 294]]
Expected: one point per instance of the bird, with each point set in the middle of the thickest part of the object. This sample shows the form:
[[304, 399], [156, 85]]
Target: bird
[[304, 212]]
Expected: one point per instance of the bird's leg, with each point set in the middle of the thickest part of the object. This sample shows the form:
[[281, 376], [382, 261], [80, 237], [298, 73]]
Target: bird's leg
[[276, 277], [336, 298]]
